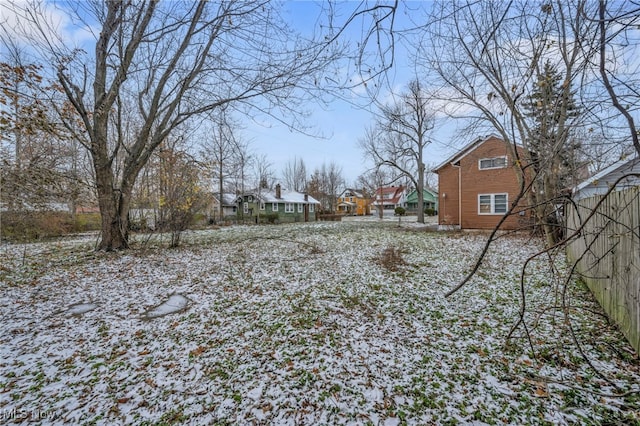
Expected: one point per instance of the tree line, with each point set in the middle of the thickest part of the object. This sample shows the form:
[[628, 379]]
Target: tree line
[[99, 120]]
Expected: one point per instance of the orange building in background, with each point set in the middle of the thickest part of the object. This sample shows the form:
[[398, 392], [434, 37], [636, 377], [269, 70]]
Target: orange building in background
[[353, 202]]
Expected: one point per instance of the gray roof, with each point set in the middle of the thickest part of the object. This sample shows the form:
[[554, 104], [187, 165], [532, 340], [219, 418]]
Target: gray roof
[[286, 196], [228, 199], [602, 181]]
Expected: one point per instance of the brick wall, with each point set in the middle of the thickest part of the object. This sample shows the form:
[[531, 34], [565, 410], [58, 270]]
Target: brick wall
[[473, 182]]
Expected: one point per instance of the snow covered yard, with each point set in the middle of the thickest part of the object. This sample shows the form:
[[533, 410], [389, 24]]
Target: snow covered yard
[[326, 323]]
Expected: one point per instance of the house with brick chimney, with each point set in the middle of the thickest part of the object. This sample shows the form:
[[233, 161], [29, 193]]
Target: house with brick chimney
[[277, 206]]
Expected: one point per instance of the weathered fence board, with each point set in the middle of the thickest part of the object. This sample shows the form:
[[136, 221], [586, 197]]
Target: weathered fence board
[[607, 253]]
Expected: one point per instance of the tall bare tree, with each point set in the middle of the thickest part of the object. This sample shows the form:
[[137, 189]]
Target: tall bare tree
[[156, 65], [263, 174], [294, 175], [401, 136], [223, 150], [325, 184], [490, 57]]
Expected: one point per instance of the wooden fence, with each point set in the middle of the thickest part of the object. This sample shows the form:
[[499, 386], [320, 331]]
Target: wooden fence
[[607, 253]]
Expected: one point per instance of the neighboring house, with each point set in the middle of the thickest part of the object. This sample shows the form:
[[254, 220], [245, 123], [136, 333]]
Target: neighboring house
[[280, 205], [388, 198], [429, 196], [477, 186], [353, 202], [229, 206], [600, 183]]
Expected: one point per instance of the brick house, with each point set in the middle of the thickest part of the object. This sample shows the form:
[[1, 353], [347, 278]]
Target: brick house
[[477, 185]]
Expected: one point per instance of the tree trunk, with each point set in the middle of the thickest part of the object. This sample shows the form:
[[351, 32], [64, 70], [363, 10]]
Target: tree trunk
[[114, 234], [420, 190], [114, 229]]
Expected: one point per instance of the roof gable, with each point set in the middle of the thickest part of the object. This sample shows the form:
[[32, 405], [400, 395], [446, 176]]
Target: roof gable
[[355, 192], [228, 198], [608, 176], [427, 195], [466, 150]]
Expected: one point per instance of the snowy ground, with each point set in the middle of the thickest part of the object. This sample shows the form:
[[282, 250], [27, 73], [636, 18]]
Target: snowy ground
[[326, 323]]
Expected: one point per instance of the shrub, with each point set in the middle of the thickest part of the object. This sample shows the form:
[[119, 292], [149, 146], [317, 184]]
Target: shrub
[[29, 226], [430, 212], [268, 217], [330, 217], [399, 211]]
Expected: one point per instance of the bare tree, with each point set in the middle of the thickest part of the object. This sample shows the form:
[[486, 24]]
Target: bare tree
[[401, 136], [241, 165], [224, 151], [617, 24], [325, 184], [490, 59], [294, 175], [372, 180], [263, 174], [157, 65]]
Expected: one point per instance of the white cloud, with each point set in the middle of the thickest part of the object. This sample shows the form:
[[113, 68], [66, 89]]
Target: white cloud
[[30, 23]]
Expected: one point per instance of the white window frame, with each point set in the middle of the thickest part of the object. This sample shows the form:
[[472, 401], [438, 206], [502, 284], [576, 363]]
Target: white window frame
[[262, 205], [274, 207], [288, 208], [300, 208], [492, 159], [245, 207], [312, 208], [492, 204]]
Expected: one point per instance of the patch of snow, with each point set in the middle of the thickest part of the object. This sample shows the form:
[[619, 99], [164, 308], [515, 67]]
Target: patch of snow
[[80, 308], [175, 303]]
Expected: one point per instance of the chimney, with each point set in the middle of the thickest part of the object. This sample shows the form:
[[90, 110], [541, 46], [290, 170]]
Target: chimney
[[306, 197], [278, 192]]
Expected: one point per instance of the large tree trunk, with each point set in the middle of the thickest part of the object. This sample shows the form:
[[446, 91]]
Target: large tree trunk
[[114, 230]]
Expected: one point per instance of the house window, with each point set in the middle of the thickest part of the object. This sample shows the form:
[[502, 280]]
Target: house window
[[492, 203], [288, 207], [245, 207], [262, 206], [274, 207], [492, 163], [312, 208], [300, 209]]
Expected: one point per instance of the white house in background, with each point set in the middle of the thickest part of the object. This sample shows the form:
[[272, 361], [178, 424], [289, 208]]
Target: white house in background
[[388, 198], [600, 183], [229, 206]]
